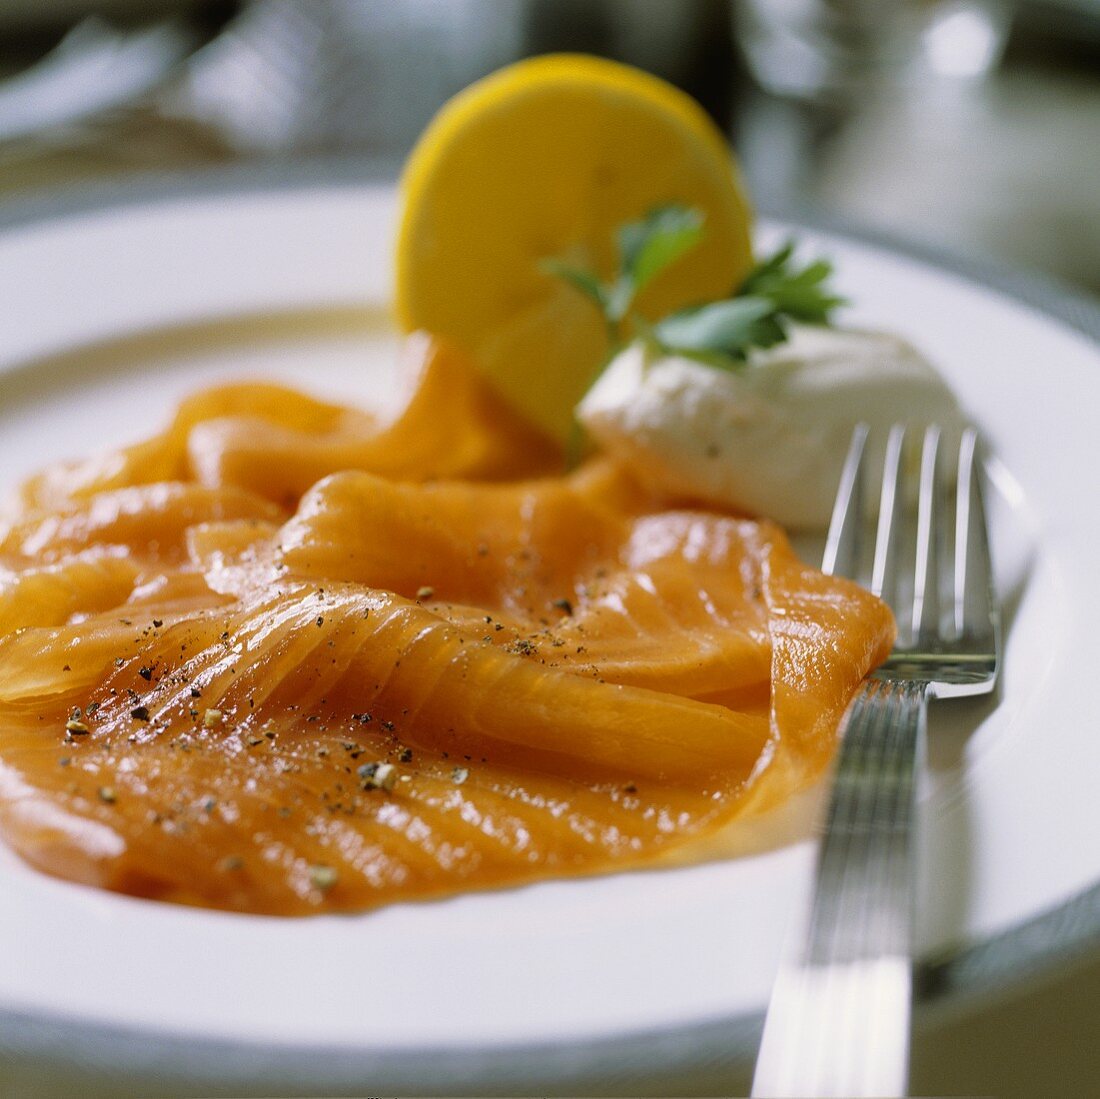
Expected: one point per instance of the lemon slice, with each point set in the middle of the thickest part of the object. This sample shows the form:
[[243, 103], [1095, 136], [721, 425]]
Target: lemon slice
[[547, 159]]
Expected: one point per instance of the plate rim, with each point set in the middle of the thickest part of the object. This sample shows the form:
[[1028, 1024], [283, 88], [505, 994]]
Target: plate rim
[[1058, 937]]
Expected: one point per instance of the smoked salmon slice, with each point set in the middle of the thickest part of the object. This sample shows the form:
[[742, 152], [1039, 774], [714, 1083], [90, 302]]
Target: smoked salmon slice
[[276, 442], [333, 664]]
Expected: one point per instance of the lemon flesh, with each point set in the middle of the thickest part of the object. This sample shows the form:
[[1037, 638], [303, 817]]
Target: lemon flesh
[[546, 159]]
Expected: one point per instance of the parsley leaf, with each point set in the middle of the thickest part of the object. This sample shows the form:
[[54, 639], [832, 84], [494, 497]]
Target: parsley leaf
[[648, 246], [801, 295], [721, 334], [727, 328], [579, 279]]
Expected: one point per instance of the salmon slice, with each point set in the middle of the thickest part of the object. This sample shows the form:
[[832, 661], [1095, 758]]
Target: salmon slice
[[506, 769], [400, 689], [276, 442], [151, 521], [48, 595], [573, 570]]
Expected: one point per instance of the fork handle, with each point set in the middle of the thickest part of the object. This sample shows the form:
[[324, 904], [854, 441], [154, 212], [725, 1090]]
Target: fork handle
[[838, 1021]]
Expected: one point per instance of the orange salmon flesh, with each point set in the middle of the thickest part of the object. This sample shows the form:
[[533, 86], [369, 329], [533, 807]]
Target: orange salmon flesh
[[284, 658]]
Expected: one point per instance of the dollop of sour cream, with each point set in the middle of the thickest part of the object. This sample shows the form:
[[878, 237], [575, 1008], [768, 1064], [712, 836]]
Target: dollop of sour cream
[[770, 439]]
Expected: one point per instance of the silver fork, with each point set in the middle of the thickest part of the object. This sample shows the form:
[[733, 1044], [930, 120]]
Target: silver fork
[[838, 1021]]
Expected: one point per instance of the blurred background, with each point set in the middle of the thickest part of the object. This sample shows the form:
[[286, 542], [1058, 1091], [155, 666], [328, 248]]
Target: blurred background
[[970, 124]]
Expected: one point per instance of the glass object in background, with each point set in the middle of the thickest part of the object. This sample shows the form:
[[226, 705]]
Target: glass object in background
[[293, 79], [93, 69], [840, 48], [297, 77], [323, 76]]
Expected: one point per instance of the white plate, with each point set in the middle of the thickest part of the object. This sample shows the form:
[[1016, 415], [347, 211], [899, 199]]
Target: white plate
[[111, 314]]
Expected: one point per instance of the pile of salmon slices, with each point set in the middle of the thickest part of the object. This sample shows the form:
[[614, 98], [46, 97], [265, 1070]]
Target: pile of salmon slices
[[284, 658]]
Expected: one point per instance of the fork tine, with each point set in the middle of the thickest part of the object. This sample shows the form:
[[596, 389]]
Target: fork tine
[[974, 614], [841, 557], [839, 1017], [926, 571], [884, 572]]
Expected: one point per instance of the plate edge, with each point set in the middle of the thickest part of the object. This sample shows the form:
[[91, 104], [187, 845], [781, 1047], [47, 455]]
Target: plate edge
[[1060, 936]]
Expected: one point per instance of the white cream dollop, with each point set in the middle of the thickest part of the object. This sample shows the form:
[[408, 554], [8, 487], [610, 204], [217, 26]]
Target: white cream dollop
[[769, 439]]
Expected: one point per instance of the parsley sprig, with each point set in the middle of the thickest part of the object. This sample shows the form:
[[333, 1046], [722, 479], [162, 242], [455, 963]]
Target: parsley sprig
[[757, 313]]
